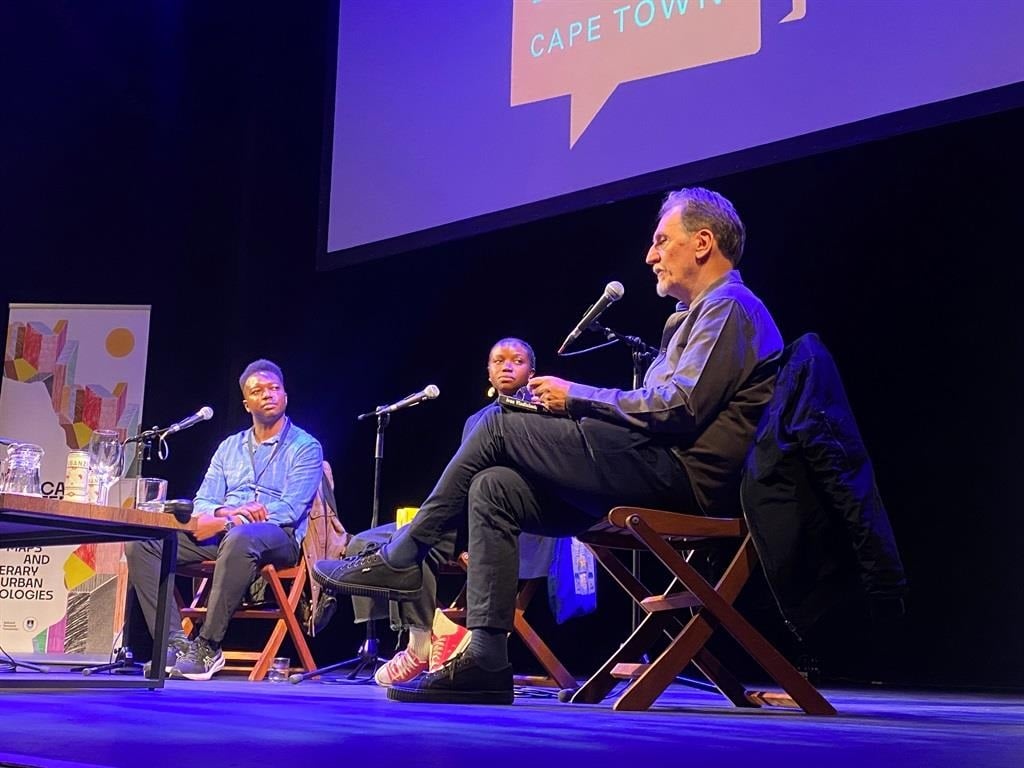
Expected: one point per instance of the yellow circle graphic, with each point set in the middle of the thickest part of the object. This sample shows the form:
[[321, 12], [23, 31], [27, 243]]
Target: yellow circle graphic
[[120, 342]]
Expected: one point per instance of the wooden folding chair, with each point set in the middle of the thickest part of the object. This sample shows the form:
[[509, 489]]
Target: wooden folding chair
[[282, 611], [325, 538], [688, 611], [557, 675]]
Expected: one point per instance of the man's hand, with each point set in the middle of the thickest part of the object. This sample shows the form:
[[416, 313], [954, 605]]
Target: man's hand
[[551, 392], [208, 526], [252, 511]]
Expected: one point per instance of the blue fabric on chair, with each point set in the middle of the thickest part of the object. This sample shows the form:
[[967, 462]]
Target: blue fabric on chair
[[572, 582]]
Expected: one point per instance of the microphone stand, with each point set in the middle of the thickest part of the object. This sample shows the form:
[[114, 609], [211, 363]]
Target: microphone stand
[[124, 659], [366, 658], [642, 355], [641, 352]]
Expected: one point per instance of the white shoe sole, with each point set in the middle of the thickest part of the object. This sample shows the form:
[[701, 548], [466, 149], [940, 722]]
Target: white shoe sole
[[218, 665]]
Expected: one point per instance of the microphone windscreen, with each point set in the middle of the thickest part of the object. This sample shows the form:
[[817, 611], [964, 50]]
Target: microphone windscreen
[[206, 412], [614, 290], [430, 392]]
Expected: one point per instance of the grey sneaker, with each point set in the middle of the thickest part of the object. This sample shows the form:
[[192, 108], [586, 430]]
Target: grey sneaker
[[176, 648], [200, 663]]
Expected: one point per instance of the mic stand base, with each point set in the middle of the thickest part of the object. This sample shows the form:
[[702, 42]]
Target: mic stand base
[[366, 662], [123, 664]]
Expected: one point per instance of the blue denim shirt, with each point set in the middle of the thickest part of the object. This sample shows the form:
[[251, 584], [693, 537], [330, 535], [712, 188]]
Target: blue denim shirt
[[284, 478]]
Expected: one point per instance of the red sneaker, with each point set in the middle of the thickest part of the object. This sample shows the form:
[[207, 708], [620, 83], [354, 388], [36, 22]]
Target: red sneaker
[[403, 667], [446, 647]]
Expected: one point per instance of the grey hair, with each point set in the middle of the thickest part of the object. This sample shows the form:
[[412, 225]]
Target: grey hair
[[702, 208], [260, 366]]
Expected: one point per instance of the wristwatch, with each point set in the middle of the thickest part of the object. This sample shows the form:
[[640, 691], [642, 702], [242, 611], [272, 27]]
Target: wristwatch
[[229, 523]]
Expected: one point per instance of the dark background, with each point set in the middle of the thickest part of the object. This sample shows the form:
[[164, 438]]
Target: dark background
[[171, 156]]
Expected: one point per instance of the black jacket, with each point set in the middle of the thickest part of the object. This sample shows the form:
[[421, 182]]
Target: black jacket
[[811, 502]]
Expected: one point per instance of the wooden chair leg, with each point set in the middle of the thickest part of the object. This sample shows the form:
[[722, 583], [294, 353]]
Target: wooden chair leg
[[659, 674], [689, 642], [536, 645], [456, 610], [602, 681], [187, 625], [752, 641], [200, 596], [723, 679], [294, 629], [287, 624], [618, 571]]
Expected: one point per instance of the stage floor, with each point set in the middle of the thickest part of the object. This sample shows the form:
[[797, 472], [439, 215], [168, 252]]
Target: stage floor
[[231, 722]]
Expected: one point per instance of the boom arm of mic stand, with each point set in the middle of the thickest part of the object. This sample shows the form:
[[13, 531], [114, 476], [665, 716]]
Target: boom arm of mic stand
[[144, 436], [635, 343]]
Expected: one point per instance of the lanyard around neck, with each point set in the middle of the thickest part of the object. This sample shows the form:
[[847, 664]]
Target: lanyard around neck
[[251, 440]]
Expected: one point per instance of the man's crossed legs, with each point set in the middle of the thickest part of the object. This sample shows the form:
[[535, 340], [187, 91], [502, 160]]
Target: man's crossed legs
[[515, 472]]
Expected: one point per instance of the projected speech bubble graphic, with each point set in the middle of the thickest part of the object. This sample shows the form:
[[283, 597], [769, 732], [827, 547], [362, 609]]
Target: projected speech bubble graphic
[[586, 48]]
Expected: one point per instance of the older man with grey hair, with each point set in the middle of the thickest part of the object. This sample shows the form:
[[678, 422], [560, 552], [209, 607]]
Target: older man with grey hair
[[677, 442]]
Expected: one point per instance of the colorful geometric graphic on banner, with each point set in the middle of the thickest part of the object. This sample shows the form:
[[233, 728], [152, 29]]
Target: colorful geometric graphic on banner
[[69, 370], [37, 353]]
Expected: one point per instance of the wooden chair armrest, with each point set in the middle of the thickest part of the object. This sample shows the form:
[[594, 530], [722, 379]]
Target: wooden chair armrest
[[680, 524]]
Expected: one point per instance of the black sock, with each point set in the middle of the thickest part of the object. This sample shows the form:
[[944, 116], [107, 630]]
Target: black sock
[[489, 647], [402, 551]]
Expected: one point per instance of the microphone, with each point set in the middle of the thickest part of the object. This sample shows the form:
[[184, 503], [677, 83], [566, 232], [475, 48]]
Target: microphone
[[429, 392], [203, 414], [612, 293]]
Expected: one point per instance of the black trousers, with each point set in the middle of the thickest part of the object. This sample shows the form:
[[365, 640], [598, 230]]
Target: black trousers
[[535, 557], [240, 554], [417, 613], [541, 474]]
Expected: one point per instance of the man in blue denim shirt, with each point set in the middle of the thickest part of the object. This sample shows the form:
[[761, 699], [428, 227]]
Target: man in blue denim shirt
[[251, 510]]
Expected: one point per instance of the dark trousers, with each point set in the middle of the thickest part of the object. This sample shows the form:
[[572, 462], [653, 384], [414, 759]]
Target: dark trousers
[[541, 474], [417, 613], [239, 554], [535, 557]]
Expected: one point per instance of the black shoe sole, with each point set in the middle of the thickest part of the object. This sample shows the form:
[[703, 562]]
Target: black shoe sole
[[361, 590], [449, 696]]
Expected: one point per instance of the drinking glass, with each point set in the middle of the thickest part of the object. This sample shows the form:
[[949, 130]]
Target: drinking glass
[[22, 472], [150, 493], [279, 669], [105, 454]]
